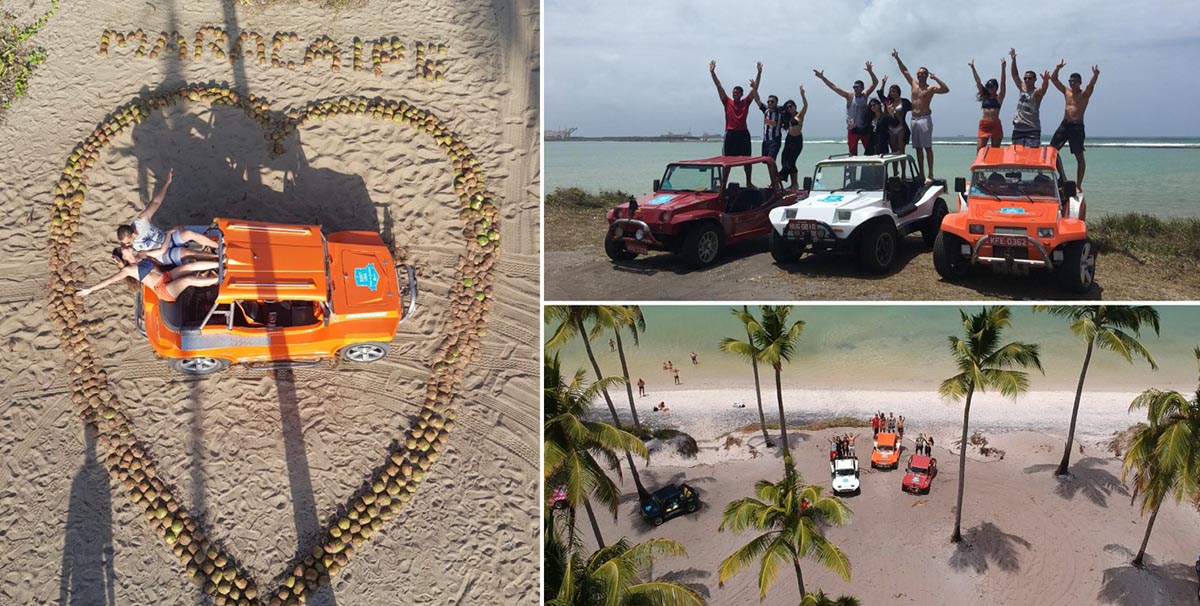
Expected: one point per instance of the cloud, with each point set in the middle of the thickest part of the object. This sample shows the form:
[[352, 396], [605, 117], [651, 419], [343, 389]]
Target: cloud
[[618, 67]]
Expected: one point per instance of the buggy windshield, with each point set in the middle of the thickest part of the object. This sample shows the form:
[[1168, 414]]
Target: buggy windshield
[[685, 177], [834, 176], [1015, 183]]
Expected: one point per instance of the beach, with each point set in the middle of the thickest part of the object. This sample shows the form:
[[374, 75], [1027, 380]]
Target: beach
[[1029, 539], [266, 462]]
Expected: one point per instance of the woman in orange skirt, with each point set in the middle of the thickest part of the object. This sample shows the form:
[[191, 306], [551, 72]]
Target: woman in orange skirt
[[991, 96]]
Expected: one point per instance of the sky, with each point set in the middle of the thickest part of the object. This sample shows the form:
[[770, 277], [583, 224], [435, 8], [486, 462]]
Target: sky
[[615, 67]]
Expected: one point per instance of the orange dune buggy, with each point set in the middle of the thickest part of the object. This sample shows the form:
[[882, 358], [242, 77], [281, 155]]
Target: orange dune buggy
[[287, 296]]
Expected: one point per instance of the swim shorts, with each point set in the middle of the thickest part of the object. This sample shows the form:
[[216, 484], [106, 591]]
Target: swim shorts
[[1069, 132], [922, 131], [737, 143], [990, 129], [852, 140]]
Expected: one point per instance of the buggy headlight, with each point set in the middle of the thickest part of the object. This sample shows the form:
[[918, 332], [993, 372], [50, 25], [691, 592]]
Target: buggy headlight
[[1045, 232], [843, 216], [639, 234], [976, 229]]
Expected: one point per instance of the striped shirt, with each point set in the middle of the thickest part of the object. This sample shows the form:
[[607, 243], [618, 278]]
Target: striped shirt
[[771, 133]]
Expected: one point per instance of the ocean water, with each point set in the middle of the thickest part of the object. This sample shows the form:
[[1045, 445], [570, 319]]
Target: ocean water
[[885, 348], [1150, 175]]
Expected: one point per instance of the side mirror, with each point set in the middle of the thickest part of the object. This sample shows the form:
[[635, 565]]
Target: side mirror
[[657, 184], [1070, 189], [807, 183], [960, 185]]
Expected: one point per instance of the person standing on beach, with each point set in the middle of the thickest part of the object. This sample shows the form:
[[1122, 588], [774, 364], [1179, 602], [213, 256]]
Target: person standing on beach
[[922, 114], [857, 117], [991, 97], [772, 122], [641, 387], [1027, 121], [875, 425], [920, 444], [1071, 130], [737, 136], [676, 373], [929, 446], [793, 121]]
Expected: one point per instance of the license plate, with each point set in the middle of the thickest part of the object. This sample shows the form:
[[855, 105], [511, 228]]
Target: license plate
[[1014, 241], [799, 227], [636, 247]]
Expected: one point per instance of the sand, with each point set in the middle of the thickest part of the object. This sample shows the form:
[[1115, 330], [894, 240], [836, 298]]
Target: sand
[[1029, 539], [263, 459]]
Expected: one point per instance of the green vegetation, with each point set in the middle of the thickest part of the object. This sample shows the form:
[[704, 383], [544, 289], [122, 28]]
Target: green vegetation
[[578, 198], [17, 59], [834, 423], [1148, 238]]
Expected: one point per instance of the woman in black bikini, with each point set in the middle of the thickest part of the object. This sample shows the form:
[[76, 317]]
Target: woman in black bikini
[[166, 284], [991, 97], [793, 121]]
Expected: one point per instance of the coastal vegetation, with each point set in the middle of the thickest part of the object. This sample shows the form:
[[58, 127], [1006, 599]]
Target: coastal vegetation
[[1147, 238], [18, 59], [983, 364], [614, 575], [1113, 328], [746, 349], [575, 197], [775, 342], [1164, 454]]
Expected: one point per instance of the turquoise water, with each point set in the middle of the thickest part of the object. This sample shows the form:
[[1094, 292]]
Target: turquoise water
[[1160, 177], [888, 347]]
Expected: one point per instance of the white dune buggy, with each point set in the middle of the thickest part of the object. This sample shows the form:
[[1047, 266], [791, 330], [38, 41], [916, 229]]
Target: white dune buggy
[[860, 205]]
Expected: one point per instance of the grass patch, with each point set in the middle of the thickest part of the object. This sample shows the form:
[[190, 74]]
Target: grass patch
[[817, 426], [574, 197], [1144, 237], [17, 58]]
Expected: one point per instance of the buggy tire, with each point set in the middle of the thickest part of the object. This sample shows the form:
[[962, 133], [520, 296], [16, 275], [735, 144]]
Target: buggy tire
[[702, 245], [947, 259], [364, 353], [933, 225], [877, 247], [690, 508], [782, 250], [657, 520], [1078, 270], [197, 366], [615, 249]]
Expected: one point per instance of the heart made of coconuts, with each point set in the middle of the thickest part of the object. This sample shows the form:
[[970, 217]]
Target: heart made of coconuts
[[404, 465]]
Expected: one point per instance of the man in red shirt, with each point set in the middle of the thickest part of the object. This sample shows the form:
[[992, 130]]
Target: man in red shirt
[[737, 136]]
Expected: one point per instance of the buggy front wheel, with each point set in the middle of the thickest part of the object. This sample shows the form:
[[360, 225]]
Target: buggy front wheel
[[365, 352]]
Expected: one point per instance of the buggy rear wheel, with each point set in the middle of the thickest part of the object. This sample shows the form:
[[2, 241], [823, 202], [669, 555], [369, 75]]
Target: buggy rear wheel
[[702, 245], [365, 352], [197, 366], [690, 508], [877, 249], [1078, 270], [657, 520], [947, 258]]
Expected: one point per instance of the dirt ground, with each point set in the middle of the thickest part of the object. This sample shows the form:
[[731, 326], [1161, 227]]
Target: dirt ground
[[578, 270]]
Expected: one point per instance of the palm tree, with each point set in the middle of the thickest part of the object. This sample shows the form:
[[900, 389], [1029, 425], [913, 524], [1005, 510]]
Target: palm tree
[[984, 364], [571, 321], [790, 515], [1107, 327], [776, 342], [613, 576], [1164, 453], [617, 317], [820, 599], [746, 349], [572, 445]]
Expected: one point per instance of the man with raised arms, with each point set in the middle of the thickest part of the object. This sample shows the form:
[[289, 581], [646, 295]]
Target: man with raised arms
[[737, 136], [1071, 129], [1027, 121], [857, 118], [922, 116]]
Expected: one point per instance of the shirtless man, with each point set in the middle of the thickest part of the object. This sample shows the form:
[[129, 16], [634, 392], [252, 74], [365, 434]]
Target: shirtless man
[[857, 119], [922, 119], [737, 135], [1071, 129]]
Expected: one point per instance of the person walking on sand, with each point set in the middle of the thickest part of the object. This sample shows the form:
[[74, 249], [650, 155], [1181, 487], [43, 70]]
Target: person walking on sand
[[694, 360], [922, 114], [641, 387], [143, 235], [856, 108], [1027, 121], [612, 345], [895, 109], [793, 144], [1071, 130], [991, 97], [772, 124], [676, 373], [737, 136]]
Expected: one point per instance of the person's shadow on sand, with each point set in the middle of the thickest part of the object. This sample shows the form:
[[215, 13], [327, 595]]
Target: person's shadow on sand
[[87, 561]]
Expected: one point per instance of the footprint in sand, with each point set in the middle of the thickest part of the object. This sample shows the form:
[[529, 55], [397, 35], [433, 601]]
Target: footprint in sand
[[920, 503]]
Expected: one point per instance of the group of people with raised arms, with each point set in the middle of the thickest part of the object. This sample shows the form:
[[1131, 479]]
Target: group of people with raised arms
[[888, 122]]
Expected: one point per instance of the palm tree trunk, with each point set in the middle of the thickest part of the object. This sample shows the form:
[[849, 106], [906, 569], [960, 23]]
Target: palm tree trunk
[[587, 505], [962, 469], [587, 344], [1137, 561], [799, 576], [762, 418], [628, 386], [787, 454], [1066, 460]]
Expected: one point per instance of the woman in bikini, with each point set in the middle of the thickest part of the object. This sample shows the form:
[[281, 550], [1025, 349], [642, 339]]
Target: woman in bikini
[[793, 120], [991, 96], [168, 285]]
